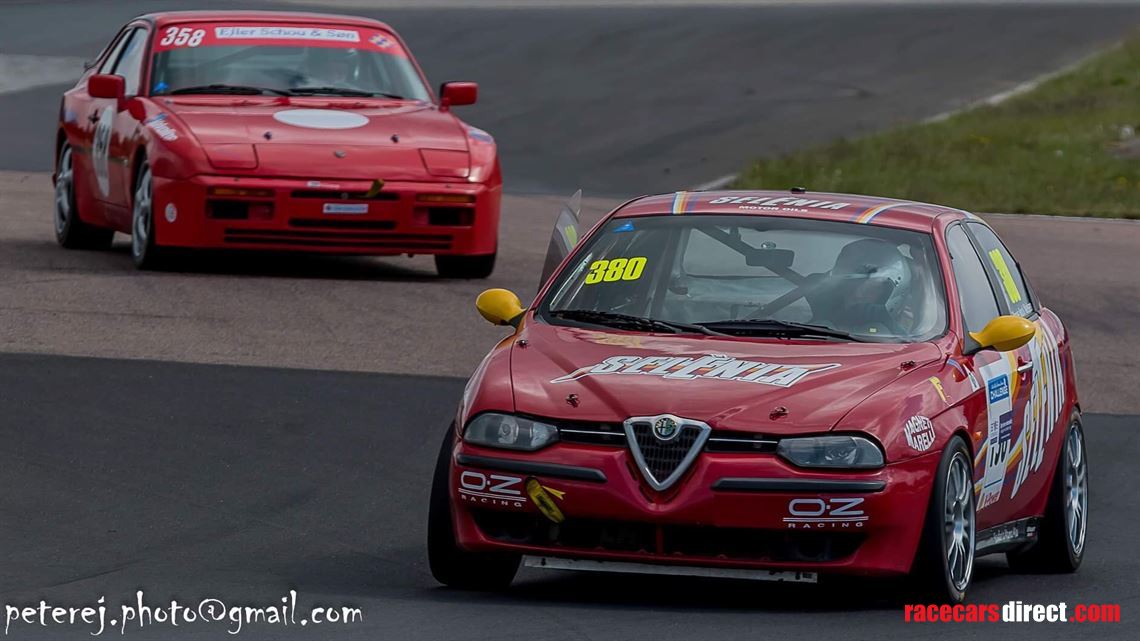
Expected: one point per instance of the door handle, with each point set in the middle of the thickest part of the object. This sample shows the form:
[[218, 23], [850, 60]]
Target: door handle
[[1024, 367]]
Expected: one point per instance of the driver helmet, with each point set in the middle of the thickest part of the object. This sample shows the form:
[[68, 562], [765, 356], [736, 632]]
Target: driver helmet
[[871, 260]]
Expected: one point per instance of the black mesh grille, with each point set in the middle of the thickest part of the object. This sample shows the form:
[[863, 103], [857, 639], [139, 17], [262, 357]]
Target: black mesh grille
[[663, 457]]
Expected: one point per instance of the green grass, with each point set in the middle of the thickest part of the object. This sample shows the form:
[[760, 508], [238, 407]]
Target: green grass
[[1054, 150]]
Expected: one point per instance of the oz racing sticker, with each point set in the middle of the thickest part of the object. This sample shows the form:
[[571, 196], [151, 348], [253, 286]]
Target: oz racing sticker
[[497, 490], [710, 366]]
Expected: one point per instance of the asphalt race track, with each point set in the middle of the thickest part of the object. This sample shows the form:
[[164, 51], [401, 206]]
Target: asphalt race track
[[143, 471], [190, 481]]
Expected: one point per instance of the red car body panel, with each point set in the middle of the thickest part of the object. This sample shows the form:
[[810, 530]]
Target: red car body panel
[[197, 142], [871, 389]]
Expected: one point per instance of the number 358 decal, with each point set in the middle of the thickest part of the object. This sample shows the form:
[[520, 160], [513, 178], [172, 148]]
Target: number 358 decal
[[182, 37], [612, 270]]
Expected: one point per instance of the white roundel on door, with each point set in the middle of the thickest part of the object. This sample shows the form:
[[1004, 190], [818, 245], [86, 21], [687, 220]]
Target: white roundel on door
[[101, 148], [321, 118]]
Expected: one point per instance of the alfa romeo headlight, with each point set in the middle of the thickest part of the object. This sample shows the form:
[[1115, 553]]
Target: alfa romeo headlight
[[509, 432], [831, 451]]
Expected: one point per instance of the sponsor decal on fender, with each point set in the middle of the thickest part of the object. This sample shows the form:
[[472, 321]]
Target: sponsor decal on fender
[[162, 128], [1039, 418], [710, 366], [825, 513], [919, 433]]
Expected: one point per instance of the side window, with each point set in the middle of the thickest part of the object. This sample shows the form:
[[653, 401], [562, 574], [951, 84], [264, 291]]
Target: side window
[[130, 62], [1004, 270], [109, 62], [978, 303]]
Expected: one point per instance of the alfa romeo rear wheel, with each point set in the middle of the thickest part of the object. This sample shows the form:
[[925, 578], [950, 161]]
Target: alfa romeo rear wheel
[[1060, 547]]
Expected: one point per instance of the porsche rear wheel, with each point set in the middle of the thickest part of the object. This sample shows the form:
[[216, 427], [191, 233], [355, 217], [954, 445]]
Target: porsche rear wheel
[[945, 563], [145, 253], [470, 267], [1061, 546], [451, 565], [70, 231]]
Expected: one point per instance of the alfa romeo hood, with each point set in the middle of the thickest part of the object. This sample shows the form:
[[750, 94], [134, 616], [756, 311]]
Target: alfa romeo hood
[[730, 383], [344, 139]]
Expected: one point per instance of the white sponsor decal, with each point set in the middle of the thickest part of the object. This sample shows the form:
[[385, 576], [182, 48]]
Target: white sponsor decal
[[491, 489], [1039, 418], [919, 433], [346, 208], [162, 128], [999, 422], [286, 33], [171, 212], [320, 119], [711, 366], [825, 514], [1046, 397], [101, 150]]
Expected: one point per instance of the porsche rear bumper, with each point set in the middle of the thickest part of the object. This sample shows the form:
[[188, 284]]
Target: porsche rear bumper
[[340, 217]]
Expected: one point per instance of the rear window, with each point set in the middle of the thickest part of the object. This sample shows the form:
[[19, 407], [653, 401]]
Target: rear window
[[283, 58]]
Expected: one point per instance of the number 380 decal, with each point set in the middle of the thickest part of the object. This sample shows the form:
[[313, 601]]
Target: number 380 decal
[[615, 269]]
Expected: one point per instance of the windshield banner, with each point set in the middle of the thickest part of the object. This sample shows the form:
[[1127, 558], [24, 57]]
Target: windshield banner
[[189, 36]]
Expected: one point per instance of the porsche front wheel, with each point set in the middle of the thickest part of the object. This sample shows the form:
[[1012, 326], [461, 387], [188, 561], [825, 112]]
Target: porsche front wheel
[[945, 563], [70, 230], [145, 253], [450, 564]]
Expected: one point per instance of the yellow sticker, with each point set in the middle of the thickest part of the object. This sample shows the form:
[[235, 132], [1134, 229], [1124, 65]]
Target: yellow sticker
[[615, 269], [571, 235], [541, 499], [1011, 291], [938, 387]]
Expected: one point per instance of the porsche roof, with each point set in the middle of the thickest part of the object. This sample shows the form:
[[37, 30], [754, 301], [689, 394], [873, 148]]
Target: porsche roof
[[302, 17], [800, 204]]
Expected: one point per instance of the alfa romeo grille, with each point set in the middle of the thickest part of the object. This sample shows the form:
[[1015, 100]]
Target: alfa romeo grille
[[664, 446]]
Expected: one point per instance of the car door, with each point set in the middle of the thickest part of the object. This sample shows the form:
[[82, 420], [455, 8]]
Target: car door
[[992, 371], [86, 117], [124, 133], [1037, 392]]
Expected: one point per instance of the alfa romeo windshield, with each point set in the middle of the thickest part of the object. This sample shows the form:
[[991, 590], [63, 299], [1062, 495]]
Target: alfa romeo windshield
[[749, 275]]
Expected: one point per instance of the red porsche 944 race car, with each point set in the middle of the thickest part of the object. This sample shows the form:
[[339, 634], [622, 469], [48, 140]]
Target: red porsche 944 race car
[[278, 131], [771, 386]]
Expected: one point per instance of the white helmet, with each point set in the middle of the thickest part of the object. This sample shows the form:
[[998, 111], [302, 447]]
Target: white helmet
[[876, 260]]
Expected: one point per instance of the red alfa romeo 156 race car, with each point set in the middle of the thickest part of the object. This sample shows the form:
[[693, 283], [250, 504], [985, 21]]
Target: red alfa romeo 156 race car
[[280, 131], [770, 386]]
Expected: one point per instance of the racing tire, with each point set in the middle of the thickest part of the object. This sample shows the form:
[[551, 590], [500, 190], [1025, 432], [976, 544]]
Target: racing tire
[[1060, 546], [451, 565], [145, 253], [945, 562], [70, 230], [467, 267]]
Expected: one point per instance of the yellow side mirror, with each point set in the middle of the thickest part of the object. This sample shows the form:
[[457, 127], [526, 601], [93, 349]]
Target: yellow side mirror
[[500, 307], [1005, 333]]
